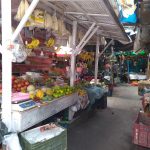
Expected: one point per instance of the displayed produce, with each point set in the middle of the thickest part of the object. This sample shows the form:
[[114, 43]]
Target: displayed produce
[[50, 42], [30, 88], [81, 92], [19, 84], [34, 44], [87, 56], [48, 94], [42, 89]]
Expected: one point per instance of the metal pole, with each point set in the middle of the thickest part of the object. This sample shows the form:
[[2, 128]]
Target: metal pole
[[128, 66], [24, 19], [97, 58], [106, 47], [73, 57], [112, 72], [148, 66], [6, 62], [85, 42], [86, 35], [88, 14]]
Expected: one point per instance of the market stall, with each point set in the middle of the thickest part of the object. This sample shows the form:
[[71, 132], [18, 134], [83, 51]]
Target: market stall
[[136, 64], [56, 105], [142, 124]]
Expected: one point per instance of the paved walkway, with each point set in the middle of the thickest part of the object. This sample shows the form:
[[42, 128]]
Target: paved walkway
[[109, 129]]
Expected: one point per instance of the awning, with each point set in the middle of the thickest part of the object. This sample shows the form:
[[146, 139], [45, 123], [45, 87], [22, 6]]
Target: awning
[[88, 11]]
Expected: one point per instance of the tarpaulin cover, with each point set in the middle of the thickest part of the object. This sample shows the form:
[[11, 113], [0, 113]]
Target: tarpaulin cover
[[130, 19], [127, 11], [95, 93]]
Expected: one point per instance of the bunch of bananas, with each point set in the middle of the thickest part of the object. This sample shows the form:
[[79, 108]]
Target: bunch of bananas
[[50, 42], [87, 56], [34, 44], [81, 92]]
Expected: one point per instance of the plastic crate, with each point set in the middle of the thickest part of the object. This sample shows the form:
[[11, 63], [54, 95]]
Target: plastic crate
[[141, 130], [58, 142]]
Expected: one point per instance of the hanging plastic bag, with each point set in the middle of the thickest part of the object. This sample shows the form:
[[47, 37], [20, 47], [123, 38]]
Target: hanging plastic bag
[[19, 53], [127, 11], [48, 21], [39, 17], [55, 23], [80, 35], [23, 6], [62, 28], [11, 142]]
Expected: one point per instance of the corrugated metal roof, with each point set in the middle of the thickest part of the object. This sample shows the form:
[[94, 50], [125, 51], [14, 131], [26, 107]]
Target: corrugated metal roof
[[88, 11]]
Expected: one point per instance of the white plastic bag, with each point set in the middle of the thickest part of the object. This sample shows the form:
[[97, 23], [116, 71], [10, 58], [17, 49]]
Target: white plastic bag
[[11, 142], [23, 6], [55, 23], [19, 53], [48, 21]]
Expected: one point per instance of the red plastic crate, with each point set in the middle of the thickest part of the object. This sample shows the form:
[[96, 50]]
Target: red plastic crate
[[141, 130]]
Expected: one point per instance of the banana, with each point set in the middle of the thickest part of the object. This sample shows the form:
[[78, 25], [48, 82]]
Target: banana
[[87, 56], [34, 44], [50, 42]]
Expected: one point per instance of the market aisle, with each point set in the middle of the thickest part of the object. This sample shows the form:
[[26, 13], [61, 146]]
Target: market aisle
[[108, 129]]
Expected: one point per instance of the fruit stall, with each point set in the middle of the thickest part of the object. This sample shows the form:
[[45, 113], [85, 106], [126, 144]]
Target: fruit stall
[[39, 88]]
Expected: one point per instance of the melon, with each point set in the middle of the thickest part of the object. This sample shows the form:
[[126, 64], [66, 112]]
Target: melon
[[31, 88]]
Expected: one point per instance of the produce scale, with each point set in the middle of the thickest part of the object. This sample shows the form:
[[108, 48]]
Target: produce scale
[[23, 105]]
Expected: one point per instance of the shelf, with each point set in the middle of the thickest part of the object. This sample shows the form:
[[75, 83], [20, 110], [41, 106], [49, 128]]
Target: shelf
[[23, 68], [39, 60]]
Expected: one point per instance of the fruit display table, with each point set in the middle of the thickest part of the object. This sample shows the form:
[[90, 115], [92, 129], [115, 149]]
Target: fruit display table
[[26, 119]]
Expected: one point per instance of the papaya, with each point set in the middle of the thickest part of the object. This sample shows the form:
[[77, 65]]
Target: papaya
[[39, 94]]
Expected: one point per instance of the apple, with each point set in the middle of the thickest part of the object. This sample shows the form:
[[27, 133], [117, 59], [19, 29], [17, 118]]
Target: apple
[[25, 87], [27, 83], [13, 78], [15, 86], [16, 81], [22, 84], [19, 85], [23, 90], [18, 89]]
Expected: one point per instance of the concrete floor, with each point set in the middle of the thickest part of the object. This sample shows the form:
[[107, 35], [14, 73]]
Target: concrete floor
[[109, 129]]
